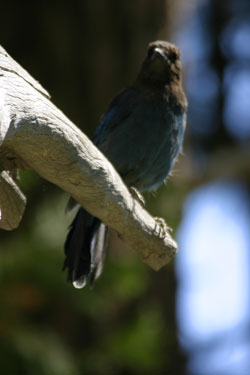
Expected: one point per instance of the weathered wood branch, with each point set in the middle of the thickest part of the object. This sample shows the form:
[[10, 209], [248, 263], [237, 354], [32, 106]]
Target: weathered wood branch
[[12, 202], [35, 134]]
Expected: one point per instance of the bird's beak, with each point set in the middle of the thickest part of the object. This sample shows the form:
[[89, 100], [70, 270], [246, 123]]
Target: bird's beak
[[159, 52]]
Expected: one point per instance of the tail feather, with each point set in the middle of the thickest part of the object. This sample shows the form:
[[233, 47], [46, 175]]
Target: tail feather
[[84, 249], [97, 253]]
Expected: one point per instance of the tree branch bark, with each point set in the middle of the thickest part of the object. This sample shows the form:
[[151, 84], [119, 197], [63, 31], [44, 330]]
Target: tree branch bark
[[35, 134]]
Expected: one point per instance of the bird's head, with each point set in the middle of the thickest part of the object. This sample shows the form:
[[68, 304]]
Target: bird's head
[[162, 64]]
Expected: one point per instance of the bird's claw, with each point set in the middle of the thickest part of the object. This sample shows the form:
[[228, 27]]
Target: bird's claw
[[161, 227]]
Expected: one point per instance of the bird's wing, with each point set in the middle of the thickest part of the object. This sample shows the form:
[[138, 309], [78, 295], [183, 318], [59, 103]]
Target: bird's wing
[[119, 109]]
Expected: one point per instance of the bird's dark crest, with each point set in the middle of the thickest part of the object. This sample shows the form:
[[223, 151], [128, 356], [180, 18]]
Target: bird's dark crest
[[162, 64]]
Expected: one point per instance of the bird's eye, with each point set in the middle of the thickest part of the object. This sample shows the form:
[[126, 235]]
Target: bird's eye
[[173, 57]]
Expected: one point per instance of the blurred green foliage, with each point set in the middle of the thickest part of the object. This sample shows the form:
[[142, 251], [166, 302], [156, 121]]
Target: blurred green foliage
[[47, 326]]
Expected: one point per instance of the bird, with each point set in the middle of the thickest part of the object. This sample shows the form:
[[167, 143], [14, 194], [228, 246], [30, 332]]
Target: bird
[[141, 134]]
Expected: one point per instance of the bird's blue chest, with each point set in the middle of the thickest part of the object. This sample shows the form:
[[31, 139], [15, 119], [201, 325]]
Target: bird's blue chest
[[141, 139], [165, 143]]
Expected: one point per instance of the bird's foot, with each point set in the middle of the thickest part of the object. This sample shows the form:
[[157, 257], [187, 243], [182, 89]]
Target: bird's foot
[[161, 227], [135, 194]]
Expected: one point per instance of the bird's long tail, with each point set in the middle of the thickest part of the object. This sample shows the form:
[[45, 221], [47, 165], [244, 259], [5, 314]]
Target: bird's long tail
[[85, 249]]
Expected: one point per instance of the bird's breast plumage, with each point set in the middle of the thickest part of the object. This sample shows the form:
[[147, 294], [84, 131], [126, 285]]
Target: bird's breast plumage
[[141, 138]]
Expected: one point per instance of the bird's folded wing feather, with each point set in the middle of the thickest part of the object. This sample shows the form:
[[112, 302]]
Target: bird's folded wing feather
[[120, 108]]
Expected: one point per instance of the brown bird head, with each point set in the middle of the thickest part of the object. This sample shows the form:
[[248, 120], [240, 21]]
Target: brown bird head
[[162, 64]]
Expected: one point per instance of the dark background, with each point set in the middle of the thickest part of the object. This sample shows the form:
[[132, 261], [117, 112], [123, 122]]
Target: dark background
[[135, 321]]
